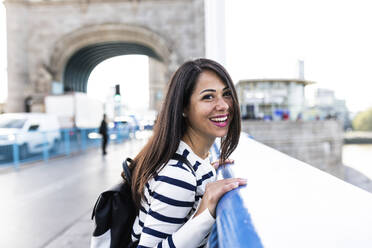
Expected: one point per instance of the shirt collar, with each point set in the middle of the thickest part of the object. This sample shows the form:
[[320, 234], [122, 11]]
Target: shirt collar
[[190, 155]]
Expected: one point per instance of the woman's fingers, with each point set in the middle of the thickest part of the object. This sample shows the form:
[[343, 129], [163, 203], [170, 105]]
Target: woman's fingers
[[229, 161], [232, 186], [215, 190], [240, 181], [233, 183], [216, 164], [225, 183]]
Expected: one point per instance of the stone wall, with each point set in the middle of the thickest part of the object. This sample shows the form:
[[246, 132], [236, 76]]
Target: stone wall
[[318, 143], [35, 30]]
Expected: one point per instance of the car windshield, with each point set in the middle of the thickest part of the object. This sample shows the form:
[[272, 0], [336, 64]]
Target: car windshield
[[12, 123]]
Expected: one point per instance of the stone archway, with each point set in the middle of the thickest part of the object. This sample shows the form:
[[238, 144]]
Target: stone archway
[[66, 47], [77, 54]]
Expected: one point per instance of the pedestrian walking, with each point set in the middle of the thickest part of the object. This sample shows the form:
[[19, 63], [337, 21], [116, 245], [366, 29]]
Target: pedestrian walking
[[177, 202], [104, 133]]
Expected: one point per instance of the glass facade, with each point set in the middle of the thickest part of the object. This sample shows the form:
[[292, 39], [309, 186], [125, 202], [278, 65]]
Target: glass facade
[[271, 99]]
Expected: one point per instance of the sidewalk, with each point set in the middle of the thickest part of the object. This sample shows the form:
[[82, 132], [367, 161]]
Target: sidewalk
[[50, 204], [78, 234], [75, 236]]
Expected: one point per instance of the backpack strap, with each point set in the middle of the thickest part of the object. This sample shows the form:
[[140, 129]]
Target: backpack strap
[[184, 160], [127, 170], [128, 161]]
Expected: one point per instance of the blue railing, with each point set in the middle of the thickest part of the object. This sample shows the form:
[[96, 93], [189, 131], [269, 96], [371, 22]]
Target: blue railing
[[287, 203], [232, 212], [33, 146]]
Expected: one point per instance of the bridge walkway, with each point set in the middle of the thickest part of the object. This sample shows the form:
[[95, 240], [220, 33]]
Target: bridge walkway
[[49, 204]]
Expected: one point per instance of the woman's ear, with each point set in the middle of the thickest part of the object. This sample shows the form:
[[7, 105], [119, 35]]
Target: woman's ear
[[185, 112]]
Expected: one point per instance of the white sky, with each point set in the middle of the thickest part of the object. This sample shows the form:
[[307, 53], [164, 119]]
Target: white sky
[[265, 39], [131, 72]]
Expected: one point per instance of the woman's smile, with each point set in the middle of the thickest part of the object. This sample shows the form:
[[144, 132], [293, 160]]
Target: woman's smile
[[220, 120]]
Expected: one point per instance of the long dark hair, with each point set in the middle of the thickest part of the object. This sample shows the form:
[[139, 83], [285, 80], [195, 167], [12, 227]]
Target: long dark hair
[[170, 126]]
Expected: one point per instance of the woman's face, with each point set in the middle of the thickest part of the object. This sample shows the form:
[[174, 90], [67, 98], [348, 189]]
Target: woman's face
[[210, 108]]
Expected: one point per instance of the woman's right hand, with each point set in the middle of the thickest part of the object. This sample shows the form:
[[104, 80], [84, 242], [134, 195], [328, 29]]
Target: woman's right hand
[[215, 190]]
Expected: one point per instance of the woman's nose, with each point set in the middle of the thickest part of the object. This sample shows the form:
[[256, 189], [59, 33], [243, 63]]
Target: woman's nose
[[222, 104]]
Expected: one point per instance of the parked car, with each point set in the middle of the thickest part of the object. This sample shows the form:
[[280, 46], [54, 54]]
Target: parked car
[[30, 131]]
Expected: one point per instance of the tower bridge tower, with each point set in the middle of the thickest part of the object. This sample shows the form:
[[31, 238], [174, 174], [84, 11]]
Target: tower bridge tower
[[61, 41]]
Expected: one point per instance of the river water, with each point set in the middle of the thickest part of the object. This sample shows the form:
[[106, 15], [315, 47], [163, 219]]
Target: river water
[[358, 157]]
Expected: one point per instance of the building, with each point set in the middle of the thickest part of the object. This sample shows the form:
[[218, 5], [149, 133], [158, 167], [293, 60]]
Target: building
[[272, 99], [327, 106]]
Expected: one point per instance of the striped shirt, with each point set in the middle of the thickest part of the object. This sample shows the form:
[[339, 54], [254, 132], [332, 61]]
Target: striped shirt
[[171, 199]]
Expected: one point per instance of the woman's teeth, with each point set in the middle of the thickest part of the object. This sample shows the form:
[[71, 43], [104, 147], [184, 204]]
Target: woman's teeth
[[222, 119]]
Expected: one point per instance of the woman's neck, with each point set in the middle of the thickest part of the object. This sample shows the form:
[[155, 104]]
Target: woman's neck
[[200, 146]]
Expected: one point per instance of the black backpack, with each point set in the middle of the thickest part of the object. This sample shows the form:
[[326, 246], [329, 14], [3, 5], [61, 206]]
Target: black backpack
[[114, 212]]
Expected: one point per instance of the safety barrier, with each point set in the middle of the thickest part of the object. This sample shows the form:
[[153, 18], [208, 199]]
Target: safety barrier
[[32, 146], [287, 203]]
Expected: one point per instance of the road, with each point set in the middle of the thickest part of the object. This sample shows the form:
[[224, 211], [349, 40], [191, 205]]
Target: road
[[45, 204]]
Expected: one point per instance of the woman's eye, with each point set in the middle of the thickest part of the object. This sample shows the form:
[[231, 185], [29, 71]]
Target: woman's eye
[[227, 93], [207, 97]]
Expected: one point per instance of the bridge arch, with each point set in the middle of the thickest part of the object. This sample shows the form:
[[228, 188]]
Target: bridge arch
[[79, 52]]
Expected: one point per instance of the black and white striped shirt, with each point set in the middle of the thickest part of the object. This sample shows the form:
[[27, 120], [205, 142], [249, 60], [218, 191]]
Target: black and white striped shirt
[[171, 199]]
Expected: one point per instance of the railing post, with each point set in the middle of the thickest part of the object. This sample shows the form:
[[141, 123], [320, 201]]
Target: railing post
[[67, 141], [83, 139], [119, 136], [16, 152], [97, 141], [45, 147]]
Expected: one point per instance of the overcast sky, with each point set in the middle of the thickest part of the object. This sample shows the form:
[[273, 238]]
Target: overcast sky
[[266, 38]]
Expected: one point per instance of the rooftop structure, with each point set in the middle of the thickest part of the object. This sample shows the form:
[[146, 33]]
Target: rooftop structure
[[272, 99]]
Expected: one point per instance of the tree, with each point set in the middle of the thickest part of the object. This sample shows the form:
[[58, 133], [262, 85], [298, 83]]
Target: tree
[[363, 121]]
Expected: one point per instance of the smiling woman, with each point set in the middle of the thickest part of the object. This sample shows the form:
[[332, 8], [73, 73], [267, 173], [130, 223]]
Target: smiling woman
[[174, 182]]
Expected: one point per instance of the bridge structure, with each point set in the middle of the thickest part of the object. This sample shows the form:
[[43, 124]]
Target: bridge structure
[[59, 42], [288, 203]]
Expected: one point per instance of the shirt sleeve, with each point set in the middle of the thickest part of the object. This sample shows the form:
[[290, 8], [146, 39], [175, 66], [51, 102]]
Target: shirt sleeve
[[172, 196]]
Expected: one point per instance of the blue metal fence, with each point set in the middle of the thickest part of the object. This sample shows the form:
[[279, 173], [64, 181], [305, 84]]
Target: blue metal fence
[[26, 147]]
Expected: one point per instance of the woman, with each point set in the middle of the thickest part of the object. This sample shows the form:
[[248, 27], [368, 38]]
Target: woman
[[178, 203]]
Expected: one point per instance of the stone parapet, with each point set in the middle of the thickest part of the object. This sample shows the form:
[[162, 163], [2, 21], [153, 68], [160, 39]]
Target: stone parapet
[[318, 143]]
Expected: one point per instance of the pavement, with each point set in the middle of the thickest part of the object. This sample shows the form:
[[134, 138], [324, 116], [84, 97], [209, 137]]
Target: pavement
[[47, 205]]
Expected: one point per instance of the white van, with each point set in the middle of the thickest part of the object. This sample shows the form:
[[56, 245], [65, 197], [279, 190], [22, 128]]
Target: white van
[[29, 131]]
